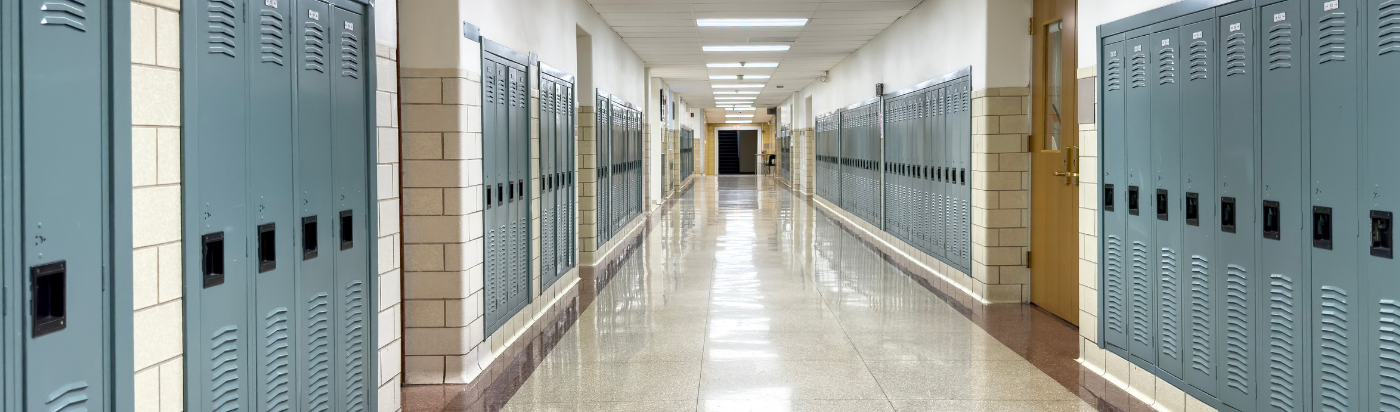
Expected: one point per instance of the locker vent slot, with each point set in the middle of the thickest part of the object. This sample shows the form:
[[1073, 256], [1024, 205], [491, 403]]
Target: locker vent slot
[[223, 361], [223, 27], [354, 372], [1382, 237], [1322, 227], [1332, 37], [1114, 79], [1193, 209], [1108, 197], [72, 395], [1236, 54], [1281, 46], [347, 229], [1113, 280], [315, 41], [309, 235], [1166, 65], [1283, 351], [1200, 62], [1271, 220], [70, 13], [273, 37], [349, 55], [1227, 214], [1201, 315], [1141, 315], [267, 247], [1388, 36], [1389, 353], [48, 294], [318, 352], [1139, 73], [1237, 314], [212, 258], [1170, 311], [276, 361], [1133, 200], [1333, 337], [1163, 206]]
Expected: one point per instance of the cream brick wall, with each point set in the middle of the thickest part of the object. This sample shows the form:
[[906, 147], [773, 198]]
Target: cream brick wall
[[155, 164], [587, 185], [1000, 188], [388, 166]]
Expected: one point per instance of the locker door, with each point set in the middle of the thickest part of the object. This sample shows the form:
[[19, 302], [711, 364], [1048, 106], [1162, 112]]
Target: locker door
[[1280, 276], [1236, 223], [1137, 133], [570, 178], [273, 207], [494, 162], [549, 266], [603, 186], [1334, 286], [63, 192], [1381, 295], [519, 130], [315, 186], [1166, 199], [1112, 209], [1198, 288], [964, 155], [938, 153], [350, 146], [218, 344]]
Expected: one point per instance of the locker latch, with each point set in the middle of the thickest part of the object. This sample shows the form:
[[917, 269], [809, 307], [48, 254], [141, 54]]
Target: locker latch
[[267, 247], [488, 196], [1227, 214], [1133, 200], [48, 297], [347, 229], [1193, 209], [1382, 235], [211, 254], [309, 249], [1162, 205], [1108, 197], [1271, 220], [1322, 227]]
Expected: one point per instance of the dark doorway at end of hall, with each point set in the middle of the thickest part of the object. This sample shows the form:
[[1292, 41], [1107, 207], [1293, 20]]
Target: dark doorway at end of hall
[[738, 152]]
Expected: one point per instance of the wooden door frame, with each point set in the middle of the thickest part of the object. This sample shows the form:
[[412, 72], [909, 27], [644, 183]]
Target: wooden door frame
[[1066, 207]]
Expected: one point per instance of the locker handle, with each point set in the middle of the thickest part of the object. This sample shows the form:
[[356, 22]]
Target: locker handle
[[488, 196], [1193, 209], [1108, 197], [48, 297], [1227, 214], [309, 249], [211, 253], [347, 229], [1382, 235], [1322, 227], [963, 172], [1133, 200], [267, 247], [1271, 220], [500, 196], [1163, 205]]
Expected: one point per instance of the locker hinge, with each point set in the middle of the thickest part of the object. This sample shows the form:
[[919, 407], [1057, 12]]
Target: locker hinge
[[1028, 259], [1030, 26]]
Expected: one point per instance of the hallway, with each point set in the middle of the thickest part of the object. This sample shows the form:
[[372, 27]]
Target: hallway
[[746, 298]]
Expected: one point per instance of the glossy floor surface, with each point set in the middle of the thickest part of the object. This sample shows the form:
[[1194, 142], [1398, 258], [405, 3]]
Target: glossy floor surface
[[744, 298]]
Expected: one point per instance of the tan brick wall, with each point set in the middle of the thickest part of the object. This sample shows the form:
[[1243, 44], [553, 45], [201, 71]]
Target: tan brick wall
[[587, 185], [155, 164], [1000, 189]]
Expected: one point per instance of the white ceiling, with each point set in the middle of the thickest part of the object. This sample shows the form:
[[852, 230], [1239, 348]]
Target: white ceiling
[[664, 34]]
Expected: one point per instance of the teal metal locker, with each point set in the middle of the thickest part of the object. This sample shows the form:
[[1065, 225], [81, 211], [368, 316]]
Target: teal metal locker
[[1198, 77], [1164, 86], [1112, 209], [505, 133], [315, 186], [1142, 305], [1380, 295], [355, 304]]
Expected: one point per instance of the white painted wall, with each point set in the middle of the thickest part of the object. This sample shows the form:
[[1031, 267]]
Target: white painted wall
[[1093, 13], [935, 38]]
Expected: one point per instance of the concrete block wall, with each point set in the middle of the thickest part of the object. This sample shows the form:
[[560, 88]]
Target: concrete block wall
[[587, 185], [390, 242], [158, 317], [1000, 194]]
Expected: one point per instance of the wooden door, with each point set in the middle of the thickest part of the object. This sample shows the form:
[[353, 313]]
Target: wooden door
[[1054, 144]]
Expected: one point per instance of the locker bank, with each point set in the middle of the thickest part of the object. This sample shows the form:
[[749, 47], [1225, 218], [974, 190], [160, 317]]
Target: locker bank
[[449, 205]]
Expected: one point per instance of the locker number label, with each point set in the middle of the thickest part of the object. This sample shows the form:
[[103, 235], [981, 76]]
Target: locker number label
[[313, 14], [1166, 42], [1278, 17], [270, 3], [1234, 27], [1329, 6], [349, 26], [1137, 48], [1113, 54], [1196, 36]]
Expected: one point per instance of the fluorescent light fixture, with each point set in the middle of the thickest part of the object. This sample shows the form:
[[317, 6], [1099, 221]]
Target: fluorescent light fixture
[[738, 65], [725, 77], [738, 115], [748, 48], [751, 22], [736, 98], [737, 86], [739, 121], [735, 92], [739, 108]]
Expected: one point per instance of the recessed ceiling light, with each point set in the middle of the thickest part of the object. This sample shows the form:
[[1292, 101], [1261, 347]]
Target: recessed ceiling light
[[747, 48], [739, 121], [737, 65], [736, 98], [739, 108], [737, 86], [735, 92], [725, 77], [738, 115], [750, 22]]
